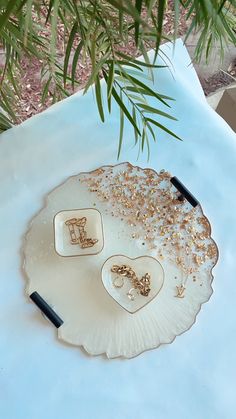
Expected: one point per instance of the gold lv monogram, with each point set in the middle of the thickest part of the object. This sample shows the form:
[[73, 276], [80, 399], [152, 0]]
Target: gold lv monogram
[[180, 291], [78, 225]]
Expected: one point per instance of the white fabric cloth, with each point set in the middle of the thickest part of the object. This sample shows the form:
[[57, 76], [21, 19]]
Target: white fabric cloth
[[41, 377]]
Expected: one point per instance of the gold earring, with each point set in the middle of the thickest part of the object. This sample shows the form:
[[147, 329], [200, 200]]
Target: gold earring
[[118, 282], [130, 294]]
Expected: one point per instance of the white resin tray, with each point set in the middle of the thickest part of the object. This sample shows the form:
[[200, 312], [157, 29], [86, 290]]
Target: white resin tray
[[143, 216]]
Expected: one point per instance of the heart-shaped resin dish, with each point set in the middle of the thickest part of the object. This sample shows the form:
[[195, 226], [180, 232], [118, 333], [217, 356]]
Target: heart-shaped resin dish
[[143, 214], [126, 286]]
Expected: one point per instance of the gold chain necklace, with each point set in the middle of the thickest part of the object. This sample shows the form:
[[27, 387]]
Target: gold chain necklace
[[142, 285]]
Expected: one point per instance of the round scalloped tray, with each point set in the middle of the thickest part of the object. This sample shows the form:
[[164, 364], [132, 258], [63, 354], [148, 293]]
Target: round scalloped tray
[[143, 215]]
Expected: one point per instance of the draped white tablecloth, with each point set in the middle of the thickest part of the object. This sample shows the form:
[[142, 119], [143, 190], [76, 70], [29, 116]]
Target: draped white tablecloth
[[195, 377]]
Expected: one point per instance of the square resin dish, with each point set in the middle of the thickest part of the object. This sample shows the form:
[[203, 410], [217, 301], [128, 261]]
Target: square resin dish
[[78, 232]]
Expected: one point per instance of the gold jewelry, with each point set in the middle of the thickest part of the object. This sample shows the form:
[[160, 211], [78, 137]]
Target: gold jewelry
[[71, 226], [180, 291], [142, 285], [130, 294], [118, 282], [82, 240]]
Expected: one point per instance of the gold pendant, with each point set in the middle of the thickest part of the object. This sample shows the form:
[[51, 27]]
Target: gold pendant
[[180, 291]]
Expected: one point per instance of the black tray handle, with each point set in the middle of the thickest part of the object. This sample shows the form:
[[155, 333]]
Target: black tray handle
[[184, 191], [46, 309]]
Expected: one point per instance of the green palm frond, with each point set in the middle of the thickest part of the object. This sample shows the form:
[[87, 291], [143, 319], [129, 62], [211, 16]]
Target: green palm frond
[[96, 34]]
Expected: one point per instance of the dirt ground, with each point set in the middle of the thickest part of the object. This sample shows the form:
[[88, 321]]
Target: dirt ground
[[219, 80]]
